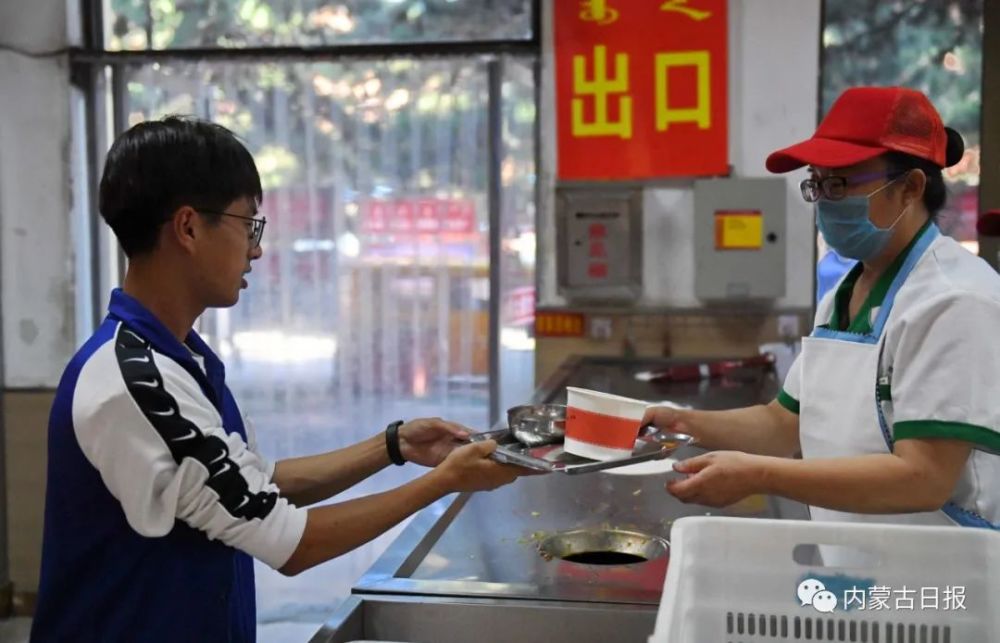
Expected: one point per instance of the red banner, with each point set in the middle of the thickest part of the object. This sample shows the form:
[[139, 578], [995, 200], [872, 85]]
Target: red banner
[[641, 88]]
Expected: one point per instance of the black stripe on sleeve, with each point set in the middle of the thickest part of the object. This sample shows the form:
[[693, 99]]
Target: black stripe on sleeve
[[183, 438]]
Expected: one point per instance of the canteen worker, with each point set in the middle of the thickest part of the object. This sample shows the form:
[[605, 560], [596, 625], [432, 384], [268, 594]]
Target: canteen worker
[[894, 400]]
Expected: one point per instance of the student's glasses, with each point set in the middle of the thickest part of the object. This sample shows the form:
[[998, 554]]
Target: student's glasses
[[256, 229]]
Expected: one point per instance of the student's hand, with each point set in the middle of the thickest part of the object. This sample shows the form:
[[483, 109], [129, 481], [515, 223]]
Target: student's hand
[[719, 479], [469, 468], [428, 441], [668, 418]]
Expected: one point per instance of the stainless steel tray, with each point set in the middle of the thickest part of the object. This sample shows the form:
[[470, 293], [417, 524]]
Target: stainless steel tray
[[551, 458]]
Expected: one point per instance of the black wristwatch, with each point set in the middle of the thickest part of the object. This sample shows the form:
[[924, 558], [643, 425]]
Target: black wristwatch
[[392, 443]]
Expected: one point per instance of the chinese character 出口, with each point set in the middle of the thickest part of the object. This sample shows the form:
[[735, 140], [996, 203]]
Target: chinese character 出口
[[701, 112], [600, 87]]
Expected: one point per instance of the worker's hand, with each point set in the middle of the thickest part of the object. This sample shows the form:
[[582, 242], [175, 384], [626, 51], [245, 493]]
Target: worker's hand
[[719, 479], [669, 418], [428, 441], [469, 468]]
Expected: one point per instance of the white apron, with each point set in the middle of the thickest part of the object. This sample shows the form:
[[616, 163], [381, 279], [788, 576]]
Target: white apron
[[839, 414]]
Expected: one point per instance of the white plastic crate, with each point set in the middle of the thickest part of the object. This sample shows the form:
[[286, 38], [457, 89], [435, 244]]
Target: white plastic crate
[[736, 580]]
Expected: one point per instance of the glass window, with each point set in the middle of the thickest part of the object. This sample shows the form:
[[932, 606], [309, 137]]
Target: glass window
[[933, 46], [171, 24], [517, 236]]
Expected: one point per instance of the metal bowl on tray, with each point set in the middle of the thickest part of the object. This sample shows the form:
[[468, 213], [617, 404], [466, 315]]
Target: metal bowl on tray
[[537, 424]]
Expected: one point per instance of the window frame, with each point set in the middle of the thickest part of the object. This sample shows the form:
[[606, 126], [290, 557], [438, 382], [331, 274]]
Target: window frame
[[99, 74]]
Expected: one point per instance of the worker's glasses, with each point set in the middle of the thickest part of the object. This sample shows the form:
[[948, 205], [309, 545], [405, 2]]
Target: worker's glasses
[[256, 230], [834, 188]]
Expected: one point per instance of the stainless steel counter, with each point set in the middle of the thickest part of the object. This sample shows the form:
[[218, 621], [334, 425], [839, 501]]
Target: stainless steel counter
[[486, 544]]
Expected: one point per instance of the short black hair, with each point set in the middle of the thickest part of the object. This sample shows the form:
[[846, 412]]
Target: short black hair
[[935, 193], [158, 166]]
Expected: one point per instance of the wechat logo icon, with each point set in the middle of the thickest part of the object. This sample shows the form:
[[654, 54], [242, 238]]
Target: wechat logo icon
[[813, 592]]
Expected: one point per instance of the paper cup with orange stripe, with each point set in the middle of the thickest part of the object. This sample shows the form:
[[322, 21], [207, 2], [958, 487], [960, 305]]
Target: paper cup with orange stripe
[[601, 426]]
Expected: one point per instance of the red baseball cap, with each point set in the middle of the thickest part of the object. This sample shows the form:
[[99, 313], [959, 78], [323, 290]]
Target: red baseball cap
[[865, 122]]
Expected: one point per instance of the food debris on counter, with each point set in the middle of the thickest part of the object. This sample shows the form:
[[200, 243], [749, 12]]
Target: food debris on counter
[[533, 537]]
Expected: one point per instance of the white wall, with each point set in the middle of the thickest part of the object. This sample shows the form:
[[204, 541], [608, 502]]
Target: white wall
[[774, 75], [36, 250]]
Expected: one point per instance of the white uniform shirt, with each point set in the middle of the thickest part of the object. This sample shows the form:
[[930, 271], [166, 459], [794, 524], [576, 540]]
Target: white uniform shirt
[[939, 367]]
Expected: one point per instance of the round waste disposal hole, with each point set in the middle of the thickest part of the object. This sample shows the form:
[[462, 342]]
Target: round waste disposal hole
[[603, 547]]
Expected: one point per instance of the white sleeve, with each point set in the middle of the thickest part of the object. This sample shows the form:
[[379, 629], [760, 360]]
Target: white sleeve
[[945, 371], [161, 449], [791, 390], [255, 458]]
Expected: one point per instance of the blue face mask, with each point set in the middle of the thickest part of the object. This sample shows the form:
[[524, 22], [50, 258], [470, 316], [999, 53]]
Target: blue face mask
[[847, 228]]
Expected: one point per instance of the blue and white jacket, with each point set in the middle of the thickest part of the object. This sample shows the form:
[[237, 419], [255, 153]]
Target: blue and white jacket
[[157, 499]]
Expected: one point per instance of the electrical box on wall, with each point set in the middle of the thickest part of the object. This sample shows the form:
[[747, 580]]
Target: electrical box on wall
[[739, 236], [599, 243]]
